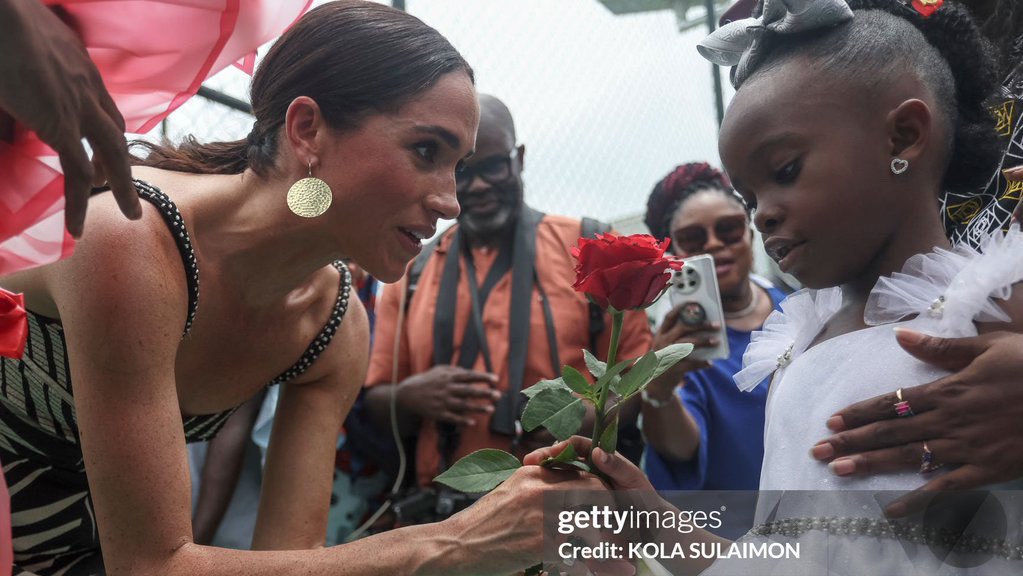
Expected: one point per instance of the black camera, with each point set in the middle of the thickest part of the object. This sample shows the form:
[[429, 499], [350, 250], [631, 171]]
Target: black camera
[[425, 505]]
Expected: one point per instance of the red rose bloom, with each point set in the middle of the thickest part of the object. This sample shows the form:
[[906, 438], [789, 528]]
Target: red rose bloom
[[623, 271]]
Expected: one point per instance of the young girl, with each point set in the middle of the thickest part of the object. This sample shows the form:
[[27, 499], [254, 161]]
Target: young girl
[[849, 120]]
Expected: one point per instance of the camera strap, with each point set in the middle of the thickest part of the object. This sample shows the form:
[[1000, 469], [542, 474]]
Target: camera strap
[[474, 342], [506, 411], [522, 262], [444, 317], [448, 436]]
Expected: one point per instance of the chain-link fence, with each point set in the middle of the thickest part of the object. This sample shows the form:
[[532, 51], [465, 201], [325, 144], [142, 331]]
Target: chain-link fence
[[606, 104]]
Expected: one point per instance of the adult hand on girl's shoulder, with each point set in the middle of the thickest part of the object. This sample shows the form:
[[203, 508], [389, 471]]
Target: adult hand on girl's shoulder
[[972, 419]]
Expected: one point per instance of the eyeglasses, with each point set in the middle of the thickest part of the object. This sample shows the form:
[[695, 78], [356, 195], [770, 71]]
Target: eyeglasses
[[727, 229], [492, 170]]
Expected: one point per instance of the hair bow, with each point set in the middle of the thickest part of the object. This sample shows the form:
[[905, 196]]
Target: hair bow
[[739, 43]]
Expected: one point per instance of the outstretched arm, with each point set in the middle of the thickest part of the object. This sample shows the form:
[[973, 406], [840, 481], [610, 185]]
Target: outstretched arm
[[299, 468], [632, 491], [122, 350]]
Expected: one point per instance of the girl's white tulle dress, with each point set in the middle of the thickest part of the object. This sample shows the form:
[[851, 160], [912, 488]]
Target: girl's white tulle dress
[[838, 521]]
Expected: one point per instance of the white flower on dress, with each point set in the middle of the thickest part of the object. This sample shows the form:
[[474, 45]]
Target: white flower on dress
[[949, 290], [786, 334]]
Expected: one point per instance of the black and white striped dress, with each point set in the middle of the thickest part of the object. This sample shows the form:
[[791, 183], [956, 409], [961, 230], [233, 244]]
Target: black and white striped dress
[[53, 525]]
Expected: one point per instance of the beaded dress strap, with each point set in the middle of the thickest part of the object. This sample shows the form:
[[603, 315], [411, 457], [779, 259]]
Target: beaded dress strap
[[319, 344], [172, 216]]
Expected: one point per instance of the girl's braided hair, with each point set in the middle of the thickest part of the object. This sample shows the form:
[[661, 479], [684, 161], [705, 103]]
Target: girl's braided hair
[[1005, 29]]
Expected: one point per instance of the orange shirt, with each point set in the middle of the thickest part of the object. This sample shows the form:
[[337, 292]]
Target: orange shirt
[[555, 270]]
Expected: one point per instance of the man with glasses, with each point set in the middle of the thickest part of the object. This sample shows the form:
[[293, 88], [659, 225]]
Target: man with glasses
[[492, 312]]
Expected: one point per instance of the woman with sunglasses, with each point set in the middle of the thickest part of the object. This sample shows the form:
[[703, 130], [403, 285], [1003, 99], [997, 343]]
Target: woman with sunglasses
[[696, 421]]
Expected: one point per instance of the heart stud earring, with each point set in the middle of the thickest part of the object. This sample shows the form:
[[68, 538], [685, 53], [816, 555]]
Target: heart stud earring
[[899, 165]]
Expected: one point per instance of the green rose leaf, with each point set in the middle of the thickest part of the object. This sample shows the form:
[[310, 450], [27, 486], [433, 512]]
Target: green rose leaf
[[669, 356], [556, 384], [596, 367], [480, 471], [576, 381], [640, 374], [612, 374], [609, 438], [557, 410]]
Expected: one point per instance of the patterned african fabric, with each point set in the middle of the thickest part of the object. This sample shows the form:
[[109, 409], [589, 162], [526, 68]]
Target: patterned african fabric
[[971, 217]]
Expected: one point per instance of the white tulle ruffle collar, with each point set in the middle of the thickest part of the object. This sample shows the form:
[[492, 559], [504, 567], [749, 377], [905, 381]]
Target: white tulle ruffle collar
[[786, 334], [951, 288], [946, 290]]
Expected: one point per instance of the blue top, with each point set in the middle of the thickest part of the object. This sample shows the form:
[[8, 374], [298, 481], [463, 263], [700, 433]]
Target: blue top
[[731, 425]]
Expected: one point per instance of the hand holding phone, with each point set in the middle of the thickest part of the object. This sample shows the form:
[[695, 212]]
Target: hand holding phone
[[696, 303]]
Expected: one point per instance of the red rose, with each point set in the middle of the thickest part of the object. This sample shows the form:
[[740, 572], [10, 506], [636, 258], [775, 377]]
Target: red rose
[[623, 271], [13, 324]]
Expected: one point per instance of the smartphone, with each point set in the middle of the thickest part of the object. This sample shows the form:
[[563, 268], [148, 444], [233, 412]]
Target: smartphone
[[695, 289]]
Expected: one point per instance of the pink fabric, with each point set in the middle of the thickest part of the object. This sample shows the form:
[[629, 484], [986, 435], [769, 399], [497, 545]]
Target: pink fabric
[[31, 205], [153, 56]]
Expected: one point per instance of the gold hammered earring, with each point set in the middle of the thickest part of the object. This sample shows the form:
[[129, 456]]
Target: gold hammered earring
[[309, 197]]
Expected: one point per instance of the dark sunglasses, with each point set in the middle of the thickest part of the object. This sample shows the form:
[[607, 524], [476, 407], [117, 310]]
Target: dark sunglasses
[[728, 230], [492, 170]]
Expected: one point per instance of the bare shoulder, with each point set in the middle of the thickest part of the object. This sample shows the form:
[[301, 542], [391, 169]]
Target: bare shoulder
[[348, 351], [109, 248], [120, 266]]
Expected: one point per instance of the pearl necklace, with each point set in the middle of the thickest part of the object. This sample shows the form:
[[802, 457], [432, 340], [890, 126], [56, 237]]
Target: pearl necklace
[[749, 308]]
